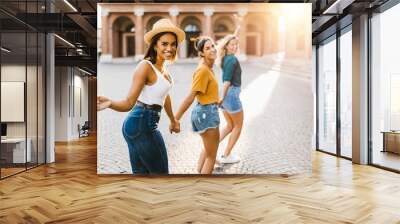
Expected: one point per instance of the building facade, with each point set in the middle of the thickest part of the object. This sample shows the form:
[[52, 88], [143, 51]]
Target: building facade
[[265, 29]]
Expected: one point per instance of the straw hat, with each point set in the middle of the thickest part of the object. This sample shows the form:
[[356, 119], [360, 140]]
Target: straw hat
[[164, 25]]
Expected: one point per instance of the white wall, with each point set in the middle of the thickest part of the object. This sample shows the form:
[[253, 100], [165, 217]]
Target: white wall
[[67, 115], [33, 126], [81, 83], [61, 103], [50, 96], [14, 73]]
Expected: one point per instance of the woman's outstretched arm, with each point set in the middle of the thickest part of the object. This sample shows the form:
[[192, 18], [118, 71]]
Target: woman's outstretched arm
[[168, 108], [174, 126], [185, 105], [138, 82], [236, 33]]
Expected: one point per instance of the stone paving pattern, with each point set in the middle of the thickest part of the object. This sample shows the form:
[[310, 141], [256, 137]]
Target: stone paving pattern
[[278, 124]]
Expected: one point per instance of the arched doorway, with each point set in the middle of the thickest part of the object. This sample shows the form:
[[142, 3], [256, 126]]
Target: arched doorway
[[151, 22], [191, 25], [123, 37], [223, 26], [149, 26], [253, 40]]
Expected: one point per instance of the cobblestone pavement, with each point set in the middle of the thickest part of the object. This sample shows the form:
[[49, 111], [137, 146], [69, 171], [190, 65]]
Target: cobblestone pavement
[[278, 121]]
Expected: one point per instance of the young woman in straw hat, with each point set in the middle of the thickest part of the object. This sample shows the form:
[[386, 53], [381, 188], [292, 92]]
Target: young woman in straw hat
[[205, 117], [147, 95], [231, 103]]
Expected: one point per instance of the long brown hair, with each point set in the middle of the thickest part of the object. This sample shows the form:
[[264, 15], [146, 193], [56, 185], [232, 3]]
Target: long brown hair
[[221, 48], [151, 53]]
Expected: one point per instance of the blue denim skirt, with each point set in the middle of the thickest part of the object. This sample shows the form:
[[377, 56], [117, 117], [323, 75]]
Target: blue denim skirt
[[232, 103], [204, 117]]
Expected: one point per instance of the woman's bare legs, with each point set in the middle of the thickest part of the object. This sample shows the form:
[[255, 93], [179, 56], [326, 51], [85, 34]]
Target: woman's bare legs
[[228, 128], [208, 155], [237, 120], [201, 161]]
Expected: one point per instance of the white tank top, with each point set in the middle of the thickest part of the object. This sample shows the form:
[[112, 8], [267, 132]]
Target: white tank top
[[155, 93]]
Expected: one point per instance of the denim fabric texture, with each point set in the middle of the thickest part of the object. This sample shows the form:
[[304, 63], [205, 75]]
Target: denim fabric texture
[[204, 117], [232, 103], [147, 151]]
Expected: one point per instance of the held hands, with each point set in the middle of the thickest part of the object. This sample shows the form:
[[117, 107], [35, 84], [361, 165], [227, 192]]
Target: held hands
[[220, 101], [175, 126], [103, 103]]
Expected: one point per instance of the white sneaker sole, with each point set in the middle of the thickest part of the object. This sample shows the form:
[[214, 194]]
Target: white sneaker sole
[[228, 162]]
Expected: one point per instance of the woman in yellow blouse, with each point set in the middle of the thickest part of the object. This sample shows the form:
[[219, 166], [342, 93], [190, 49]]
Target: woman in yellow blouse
[[205, 117]]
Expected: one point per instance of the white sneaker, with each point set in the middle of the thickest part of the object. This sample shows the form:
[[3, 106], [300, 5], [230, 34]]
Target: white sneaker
[[219, 158], [229, 159]]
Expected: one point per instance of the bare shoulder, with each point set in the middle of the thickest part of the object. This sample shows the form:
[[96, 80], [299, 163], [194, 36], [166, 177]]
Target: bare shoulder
[[143, 66], [143, 69]]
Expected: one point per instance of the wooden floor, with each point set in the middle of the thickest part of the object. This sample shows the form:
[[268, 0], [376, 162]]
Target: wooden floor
[[10, 171], [70, 191], [387, 159]]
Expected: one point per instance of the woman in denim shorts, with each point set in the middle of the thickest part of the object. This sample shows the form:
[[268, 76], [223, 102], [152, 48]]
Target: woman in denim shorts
[[205, 117], [148, 93], [231, 104]]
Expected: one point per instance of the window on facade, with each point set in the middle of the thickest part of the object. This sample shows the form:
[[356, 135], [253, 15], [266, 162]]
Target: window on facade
[[385, 89], [327, 96], [346, 93]]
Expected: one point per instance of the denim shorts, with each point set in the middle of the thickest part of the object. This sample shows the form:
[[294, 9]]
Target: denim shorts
[[204, 117], [232, 103], [147, 151]]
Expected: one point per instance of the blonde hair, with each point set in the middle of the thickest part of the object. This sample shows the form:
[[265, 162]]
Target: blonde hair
[[221, 48]]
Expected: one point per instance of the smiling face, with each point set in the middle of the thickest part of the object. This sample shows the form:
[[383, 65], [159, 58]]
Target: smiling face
[[209, 51], [166, 47], [232, 46]]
